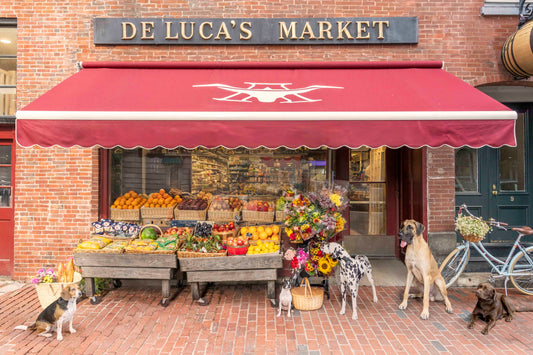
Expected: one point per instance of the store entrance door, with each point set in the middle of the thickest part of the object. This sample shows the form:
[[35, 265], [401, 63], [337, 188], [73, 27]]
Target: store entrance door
[[7, 223], [496, 183]]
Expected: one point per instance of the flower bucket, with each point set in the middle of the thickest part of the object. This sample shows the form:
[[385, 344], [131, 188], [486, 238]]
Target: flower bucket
[[49, 292]]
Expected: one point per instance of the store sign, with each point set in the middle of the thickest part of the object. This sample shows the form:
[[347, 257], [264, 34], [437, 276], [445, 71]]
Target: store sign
[[254, 31]]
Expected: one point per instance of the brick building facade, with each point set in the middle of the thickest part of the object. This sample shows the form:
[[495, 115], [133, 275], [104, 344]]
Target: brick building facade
[[57, 189]]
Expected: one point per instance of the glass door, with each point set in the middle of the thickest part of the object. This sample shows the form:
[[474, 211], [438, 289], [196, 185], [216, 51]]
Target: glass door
[[367, 191]]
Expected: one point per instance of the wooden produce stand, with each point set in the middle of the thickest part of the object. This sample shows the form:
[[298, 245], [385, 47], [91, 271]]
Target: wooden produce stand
[[232, 268], [162, 267]]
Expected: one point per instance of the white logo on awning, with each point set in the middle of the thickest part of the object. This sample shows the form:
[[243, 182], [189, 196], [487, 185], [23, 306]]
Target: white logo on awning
[[268, 92]]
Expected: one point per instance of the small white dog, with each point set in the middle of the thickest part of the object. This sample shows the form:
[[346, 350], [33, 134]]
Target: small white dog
[[285, 297], [352, 270]]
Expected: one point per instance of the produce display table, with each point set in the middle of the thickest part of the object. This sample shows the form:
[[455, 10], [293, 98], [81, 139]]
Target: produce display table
[[162, 267], [233, 268]]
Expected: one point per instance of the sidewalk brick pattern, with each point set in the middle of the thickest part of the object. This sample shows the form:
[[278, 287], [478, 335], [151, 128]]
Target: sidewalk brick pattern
[[240, 320]]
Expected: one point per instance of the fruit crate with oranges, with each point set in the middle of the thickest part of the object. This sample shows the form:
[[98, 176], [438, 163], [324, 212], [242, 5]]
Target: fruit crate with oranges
[[127, 206], [159, 205], [264, 232]]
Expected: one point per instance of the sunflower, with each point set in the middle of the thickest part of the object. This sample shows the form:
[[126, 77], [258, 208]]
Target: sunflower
[[324, 266], [331, 262]]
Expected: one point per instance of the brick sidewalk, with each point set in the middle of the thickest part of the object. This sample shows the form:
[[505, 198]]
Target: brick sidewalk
[[240, 320]]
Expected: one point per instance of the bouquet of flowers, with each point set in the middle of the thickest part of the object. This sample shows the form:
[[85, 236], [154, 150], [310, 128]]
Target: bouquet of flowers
[[316, 215], [44, 275], [311, 260]]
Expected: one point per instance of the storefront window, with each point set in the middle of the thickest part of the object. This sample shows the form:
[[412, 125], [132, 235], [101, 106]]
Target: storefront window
[[466, 171], [8, 69], [241, 171], [367, 191]]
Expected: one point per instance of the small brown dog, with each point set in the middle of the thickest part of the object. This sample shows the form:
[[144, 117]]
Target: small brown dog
[[491, 306]]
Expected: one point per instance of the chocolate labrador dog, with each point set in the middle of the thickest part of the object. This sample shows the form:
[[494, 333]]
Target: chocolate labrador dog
[[491, 306]]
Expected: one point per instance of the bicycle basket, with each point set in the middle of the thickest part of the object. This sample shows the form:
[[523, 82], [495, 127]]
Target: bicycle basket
[[471, 229]]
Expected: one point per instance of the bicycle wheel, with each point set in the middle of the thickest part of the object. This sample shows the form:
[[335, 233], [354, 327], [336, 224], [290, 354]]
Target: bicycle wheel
[[454, 264], [523, 263]]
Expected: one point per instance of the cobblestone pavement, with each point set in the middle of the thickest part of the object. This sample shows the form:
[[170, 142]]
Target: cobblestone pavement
[[239, 319]]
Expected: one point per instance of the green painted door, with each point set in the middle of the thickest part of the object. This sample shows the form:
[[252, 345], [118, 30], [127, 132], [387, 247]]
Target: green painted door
[[496, 182]]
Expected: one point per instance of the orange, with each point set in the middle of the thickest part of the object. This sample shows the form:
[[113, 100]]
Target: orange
[[255, 236], [275, 229], [244, 230], [252, 229], [263, 235], [269, 231], [161, 191], [260, 229], [274, 237]]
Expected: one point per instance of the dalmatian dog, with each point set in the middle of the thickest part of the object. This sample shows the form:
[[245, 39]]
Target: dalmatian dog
[[352, 271]]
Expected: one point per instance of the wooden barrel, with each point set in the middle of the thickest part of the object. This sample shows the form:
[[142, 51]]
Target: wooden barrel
[[517, 52]]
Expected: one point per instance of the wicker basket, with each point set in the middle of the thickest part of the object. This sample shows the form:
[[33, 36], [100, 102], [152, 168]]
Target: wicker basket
[[223, 215], [473, 238], [157, 212], [307, 298], [258, 216], [280, 216], [156, 227], [197, 215], [195, 254], [124, 215], [49, 292]]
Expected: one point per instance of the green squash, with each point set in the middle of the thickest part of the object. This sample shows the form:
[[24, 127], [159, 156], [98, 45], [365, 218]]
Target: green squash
[[149, 233]]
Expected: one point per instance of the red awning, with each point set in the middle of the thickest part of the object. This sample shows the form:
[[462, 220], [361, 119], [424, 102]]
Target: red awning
[[264, 104]]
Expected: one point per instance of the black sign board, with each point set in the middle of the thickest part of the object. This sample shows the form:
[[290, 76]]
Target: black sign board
[[254, 31]]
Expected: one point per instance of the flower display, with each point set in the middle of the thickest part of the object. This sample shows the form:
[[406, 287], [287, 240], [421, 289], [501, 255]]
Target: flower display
[[316, 215], [311, 260], [44, 275]]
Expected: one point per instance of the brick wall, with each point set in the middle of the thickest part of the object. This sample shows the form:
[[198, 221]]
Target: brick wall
[[56, 191], [441, 189]]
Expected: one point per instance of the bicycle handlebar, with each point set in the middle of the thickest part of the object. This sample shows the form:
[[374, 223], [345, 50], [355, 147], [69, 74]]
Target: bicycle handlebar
[[492, 222]]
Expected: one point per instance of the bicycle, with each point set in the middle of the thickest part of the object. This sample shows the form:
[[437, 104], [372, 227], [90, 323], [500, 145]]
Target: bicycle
[[518, 266]]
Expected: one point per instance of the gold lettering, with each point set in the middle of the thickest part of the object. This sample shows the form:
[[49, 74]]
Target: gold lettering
[[168, 36], [361, 29], [307, 31], [244, 30], [380, 27], [183, 34], [284, 31], [324, 27], [342, 28], [147, 27], [125, 26], [224, 31], [202, 25]]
